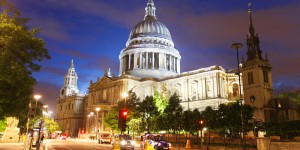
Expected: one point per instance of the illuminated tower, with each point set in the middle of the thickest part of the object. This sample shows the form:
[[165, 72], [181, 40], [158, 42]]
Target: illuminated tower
[[70, 83], [257, 76]]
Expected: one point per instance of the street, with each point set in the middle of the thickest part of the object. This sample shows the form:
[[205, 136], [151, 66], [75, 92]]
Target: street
[[75, 144], [69, 144]]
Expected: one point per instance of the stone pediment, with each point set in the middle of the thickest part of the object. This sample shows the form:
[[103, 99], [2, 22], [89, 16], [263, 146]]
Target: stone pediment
[[104, 80]]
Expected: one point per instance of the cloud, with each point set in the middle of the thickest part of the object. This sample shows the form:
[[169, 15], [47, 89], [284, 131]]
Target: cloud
[[49, 93], [72, 53]]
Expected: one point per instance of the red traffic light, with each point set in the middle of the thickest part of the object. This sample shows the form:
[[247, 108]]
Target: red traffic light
[[201, 122], [125, 113]]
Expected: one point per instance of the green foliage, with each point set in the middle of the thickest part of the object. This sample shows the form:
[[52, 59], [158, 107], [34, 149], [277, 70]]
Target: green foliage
[[295, 95], [111, 119], [20, 50], [160, 102], [283, 129], [51, 125], [3, 125], [172, 111]]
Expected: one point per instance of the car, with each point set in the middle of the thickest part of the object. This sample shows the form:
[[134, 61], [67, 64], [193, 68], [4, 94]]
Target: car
[[126, 142], [104, 138], [155, 142], [64, 137]]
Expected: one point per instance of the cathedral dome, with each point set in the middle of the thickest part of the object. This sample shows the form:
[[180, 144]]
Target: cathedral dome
[[150, 27], [149, 51]]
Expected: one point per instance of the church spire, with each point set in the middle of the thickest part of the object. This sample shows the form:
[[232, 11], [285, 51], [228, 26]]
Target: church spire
[[150, 10], [72, 64], [253, 51], [251, 28]]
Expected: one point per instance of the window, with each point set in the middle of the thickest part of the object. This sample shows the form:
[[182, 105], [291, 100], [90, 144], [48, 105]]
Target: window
[[104, 94], [168, 62], [150, 60], [143, 60], [235, 90], [131, 61], [266, 79], [250, 78], [126, 62]]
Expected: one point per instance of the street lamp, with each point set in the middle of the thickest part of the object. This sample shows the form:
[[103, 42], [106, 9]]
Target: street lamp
[[97, 124], [36, 97], [236, 46], [124, 95]]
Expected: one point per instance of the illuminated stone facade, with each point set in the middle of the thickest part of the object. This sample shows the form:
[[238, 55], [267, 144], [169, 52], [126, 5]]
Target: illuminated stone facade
[[70, 104], [150, 63]]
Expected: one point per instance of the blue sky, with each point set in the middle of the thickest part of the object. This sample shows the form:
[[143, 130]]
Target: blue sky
[[93, 32]]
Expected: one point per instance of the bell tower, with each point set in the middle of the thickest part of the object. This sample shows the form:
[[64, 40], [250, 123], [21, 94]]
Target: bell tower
[[257, 76], [70, 83]]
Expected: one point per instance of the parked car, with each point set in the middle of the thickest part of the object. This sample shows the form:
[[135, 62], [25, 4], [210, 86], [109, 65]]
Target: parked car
[[126, 142], [155, 142], [104, 138]]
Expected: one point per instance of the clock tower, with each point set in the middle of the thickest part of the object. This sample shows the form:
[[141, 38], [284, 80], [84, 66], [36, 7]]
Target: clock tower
[[257, 76]]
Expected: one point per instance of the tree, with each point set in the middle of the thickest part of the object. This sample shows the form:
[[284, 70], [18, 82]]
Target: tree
[[111, 119], [160, 102], [172, 111], [51, 125], [148, 110], [295, 95], [3, 125], [20, 52], [229, 116]]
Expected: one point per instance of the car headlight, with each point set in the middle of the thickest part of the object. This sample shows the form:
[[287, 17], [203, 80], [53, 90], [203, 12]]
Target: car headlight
[[132, 142], [123, 142]]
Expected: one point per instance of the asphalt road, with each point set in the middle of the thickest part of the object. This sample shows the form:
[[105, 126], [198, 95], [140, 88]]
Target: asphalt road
[[77, 144]]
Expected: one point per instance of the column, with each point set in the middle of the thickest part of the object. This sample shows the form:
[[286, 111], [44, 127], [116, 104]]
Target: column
[[152, 60], [178, 65], [165, 55], [141, 60], [205, 85], [147, 60], [134, 60]]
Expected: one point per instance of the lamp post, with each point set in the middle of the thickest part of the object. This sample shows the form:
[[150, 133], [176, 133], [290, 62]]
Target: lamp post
[[97, 124], [124, 95], [236, 46], [36, 97]]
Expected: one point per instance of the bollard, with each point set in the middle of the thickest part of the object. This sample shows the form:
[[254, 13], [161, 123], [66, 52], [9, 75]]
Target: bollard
[[188, 144]]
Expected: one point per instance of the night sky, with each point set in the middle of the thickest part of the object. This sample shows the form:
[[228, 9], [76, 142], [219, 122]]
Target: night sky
[[93, 32]]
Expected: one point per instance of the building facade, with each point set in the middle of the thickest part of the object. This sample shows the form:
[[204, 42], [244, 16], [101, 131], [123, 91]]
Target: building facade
[[70, 104], [149, 63]]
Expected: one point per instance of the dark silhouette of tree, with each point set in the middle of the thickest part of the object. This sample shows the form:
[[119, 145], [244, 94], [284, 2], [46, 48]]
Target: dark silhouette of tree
[[20, 52]]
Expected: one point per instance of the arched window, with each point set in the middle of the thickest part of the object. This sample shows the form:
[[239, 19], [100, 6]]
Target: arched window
[[194, 90], [235, 90]]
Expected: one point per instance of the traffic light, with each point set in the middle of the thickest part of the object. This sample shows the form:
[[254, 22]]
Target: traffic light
[[201, 124], [122, 119]]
